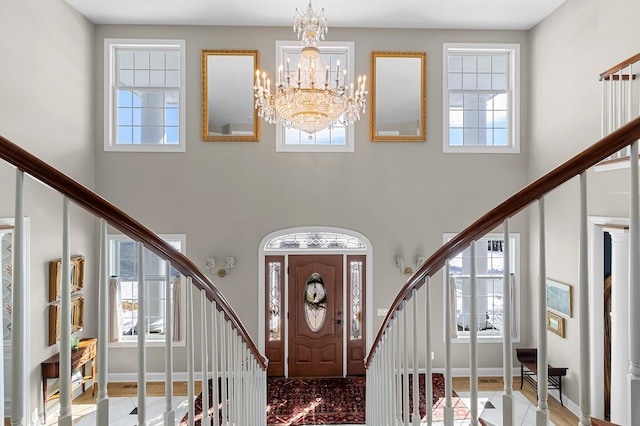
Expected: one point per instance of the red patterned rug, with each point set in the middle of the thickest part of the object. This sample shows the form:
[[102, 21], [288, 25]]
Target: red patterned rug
[[293, 402]]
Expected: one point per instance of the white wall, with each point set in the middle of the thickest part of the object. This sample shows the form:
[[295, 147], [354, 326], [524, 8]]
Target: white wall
[[46, 106], [569, 49], [227, 196]]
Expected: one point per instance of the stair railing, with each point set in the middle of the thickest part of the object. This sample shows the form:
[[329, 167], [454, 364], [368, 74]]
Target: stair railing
[[231, 354], [620, 103], [392, 363]]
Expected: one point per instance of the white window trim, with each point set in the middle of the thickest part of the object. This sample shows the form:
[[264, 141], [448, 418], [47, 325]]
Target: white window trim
[[515, 271], [160, 342], [349, 145], [514, 50], [110, 45]]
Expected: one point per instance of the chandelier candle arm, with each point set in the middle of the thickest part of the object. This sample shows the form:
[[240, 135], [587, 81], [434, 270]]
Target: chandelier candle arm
[[312, 103]]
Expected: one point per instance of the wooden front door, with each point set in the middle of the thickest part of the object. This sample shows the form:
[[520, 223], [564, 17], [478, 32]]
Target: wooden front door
[[315, 316]]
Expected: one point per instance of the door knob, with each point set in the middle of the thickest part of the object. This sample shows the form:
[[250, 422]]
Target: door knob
[[339, 312]]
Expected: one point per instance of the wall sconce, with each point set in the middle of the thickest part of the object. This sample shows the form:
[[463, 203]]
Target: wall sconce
[[229, 264], [210, 264], [401, 267], [420, 260]]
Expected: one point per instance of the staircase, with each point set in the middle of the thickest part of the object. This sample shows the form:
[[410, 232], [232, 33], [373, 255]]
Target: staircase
[[393, 357], [231, 352]]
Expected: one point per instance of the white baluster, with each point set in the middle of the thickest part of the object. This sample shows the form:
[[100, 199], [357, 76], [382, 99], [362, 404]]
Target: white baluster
[[223, 369], [416, 392], [397, 366], [473, 338], [585, 356], [620, 107], [405, 365], [246, 383], [238, 377], [428, 378], [251, 389], [142, 346], [603, 121], [390, 378], [448, 381], [169, 413], [633, 378], [542, 412], [20, 315], [508, 412], [630, 94], [102, 402], [215, 348], [379, 394], [190, 354], [204, 359], [65, 321], [233, 369]]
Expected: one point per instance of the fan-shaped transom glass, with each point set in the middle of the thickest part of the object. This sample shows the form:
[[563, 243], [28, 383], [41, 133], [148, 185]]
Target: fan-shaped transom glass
[[315, 302]]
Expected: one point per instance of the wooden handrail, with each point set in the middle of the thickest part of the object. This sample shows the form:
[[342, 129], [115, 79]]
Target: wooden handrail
[[98, 206], [622, 65], [591, 156]]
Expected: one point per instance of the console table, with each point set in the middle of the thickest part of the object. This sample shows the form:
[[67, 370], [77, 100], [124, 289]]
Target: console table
[[80, 357], [528, 358]]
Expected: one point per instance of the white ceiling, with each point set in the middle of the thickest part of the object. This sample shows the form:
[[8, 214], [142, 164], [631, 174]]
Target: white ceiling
[[456, 14]]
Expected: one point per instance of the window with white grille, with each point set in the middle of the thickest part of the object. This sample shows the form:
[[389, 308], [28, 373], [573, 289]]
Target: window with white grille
[[144, 95], [123, 265], [490, 301], [340, 138], [481, 92]]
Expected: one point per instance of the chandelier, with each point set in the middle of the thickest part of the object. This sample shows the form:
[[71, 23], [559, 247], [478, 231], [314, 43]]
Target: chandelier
[[310, 97]]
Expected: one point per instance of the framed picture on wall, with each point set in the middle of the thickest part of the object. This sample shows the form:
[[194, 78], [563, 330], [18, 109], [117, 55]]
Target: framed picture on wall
[[559, 297], [55, 276], [77, 321], [555, 324]]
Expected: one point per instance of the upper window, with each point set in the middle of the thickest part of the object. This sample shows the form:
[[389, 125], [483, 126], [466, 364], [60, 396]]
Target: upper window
[[489, 287], [123, 261], [144, 95], [481, 92], [337, 139]]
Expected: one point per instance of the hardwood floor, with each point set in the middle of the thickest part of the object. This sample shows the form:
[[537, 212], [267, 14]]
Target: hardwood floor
[[560, 416]]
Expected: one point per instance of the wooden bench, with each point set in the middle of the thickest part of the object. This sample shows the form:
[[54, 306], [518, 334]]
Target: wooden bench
[[528, 358]]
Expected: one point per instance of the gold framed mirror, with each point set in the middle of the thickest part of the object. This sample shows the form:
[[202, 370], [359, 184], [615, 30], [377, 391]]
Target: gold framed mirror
[[398, 96], [228, 112]]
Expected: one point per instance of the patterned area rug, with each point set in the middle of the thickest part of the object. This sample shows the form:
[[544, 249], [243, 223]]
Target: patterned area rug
[[337, 401], [316, 401]]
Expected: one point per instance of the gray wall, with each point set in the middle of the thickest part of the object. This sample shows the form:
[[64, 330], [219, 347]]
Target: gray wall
[[569, 49], [47, 107], [227, 196]]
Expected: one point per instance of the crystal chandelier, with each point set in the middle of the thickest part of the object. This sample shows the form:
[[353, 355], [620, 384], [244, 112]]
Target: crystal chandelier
[[310, 97]]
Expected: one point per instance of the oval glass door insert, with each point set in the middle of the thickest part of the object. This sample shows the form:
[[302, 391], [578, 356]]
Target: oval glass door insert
[[315, 302]]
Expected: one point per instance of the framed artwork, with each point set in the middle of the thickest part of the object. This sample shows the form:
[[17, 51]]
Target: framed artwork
[[555, 324], [55, 276], [77, 321], [559, 297]]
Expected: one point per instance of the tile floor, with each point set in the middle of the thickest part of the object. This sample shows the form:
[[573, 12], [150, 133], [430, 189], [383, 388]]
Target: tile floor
[[120, 410]]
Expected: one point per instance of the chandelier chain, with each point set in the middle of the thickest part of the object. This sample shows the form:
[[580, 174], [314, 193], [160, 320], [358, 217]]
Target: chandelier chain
[[310, 97]]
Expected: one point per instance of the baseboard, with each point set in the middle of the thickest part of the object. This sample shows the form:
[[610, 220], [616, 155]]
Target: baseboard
[[455, 372], [482, 372], [153, 377]]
